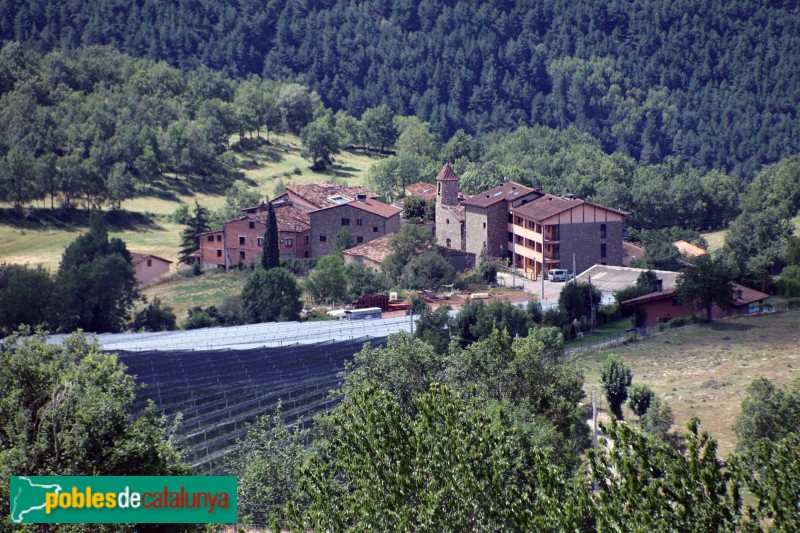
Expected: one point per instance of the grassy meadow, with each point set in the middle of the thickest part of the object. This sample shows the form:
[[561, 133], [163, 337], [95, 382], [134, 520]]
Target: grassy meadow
[[153, 232], [716, 239], [703, 370]]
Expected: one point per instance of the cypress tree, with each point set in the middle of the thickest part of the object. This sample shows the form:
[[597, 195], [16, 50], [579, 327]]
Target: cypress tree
[[270, 255]]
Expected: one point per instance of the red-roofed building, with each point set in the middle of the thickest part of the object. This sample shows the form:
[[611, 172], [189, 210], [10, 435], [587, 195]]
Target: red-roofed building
[[538, 231], [662, 306], [309, 219], [366, 218]]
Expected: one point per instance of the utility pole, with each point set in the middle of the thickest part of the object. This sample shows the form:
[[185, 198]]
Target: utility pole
[[594, 432], [574, 270]]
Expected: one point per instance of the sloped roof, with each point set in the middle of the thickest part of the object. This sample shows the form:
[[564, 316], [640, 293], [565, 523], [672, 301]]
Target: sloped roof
[[320, 194], [687, 248], [741, 296], [631, 251], [376, 250], [369, 205], [509, 190], [549, 205], [459, 211], [290, 218], [447, 174], [420, 188], [137, 258]]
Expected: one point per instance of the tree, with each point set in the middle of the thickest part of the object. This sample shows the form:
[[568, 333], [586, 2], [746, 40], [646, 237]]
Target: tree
[[378, 126], [328, 282], [704, 285], [96, 283], [658, 419], [433, 327], [345, 240], [771, 471], [190, 236], [362, 280], [577, 300], [154, 317], [428, 270], [449, 466], [414, 207], [615, 377], [68, 410], [768, 412], [646, 484], [320, 142], [404, 245], [266, 462], [271, 296], [25, 296], [640, 397], [270, 252]]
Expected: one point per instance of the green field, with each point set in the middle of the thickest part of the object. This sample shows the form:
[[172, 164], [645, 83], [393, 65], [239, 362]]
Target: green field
[[716, 239], [703, 370], [43, 243]]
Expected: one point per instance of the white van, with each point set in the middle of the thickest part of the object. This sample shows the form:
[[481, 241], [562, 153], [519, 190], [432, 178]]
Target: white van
[[559, 274]]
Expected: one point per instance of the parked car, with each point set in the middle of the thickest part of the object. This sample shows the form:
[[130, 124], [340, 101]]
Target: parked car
[[559, 274]]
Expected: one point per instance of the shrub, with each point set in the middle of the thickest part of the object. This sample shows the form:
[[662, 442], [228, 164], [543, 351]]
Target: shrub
[[658, 419], [615, 377], [640, 397], [155, 317]]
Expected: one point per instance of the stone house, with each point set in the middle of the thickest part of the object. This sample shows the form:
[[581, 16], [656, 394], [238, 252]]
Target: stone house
[[534, 230], [309, 219]]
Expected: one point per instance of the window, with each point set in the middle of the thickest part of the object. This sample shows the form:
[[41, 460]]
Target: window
[[440, 187], [241, 255], [448, 243], [374, 229], [219, 252], [241, 240], [305, 254], [359, 222], [345, 222], [252, 224], [602, 249], [510, 218], [602, 231], [219, 238], [676, 302], [359, 240], [484, 225], [210, 238], [261, 241], [289, 242], [447, 221], [510, 236], [150, 263], [323, 238], [306, 240]]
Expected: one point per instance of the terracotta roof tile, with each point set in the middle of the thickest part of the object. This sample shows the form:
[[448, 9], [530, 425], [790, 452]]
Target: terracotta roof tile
[[741, 296], [507, 191], [447, 174], [376, 250], [371, 206], [426, 190], [137, 258], [459, 211], [687, 248], [321, 194], [289, 218]]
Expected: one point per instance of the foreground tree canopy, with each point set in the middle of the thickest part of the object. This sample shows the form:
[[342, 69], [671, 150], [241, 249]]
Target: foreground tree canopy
[[66, 410]]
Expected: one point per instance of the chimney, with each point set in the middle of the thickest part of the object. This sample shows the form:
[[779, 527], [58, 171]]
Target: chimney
[[361, 198]]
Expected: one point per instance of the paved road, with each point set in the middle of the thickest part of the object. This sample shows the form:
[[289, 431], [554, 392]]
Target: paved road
[[552, 290]]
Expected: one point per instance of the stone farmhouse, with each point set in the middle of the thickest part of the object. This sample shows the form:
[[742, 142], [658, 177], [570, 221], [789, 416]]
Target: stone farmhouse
[[534, 230], [309, 218]]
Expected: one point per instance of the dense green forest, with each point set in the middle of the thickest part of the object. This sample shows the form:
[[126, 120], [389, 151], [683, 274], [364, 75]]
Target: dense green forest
[[715, 83]]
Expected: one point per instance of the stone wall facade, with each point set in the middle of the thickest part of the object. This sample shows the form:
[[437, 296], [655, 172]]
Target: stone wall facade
[[586, 242], [449, 230], [365, 226]]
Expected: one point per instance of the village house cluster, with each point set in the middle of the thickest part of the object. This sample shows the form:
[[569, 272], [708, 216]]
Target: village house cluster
[[534, 230]]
